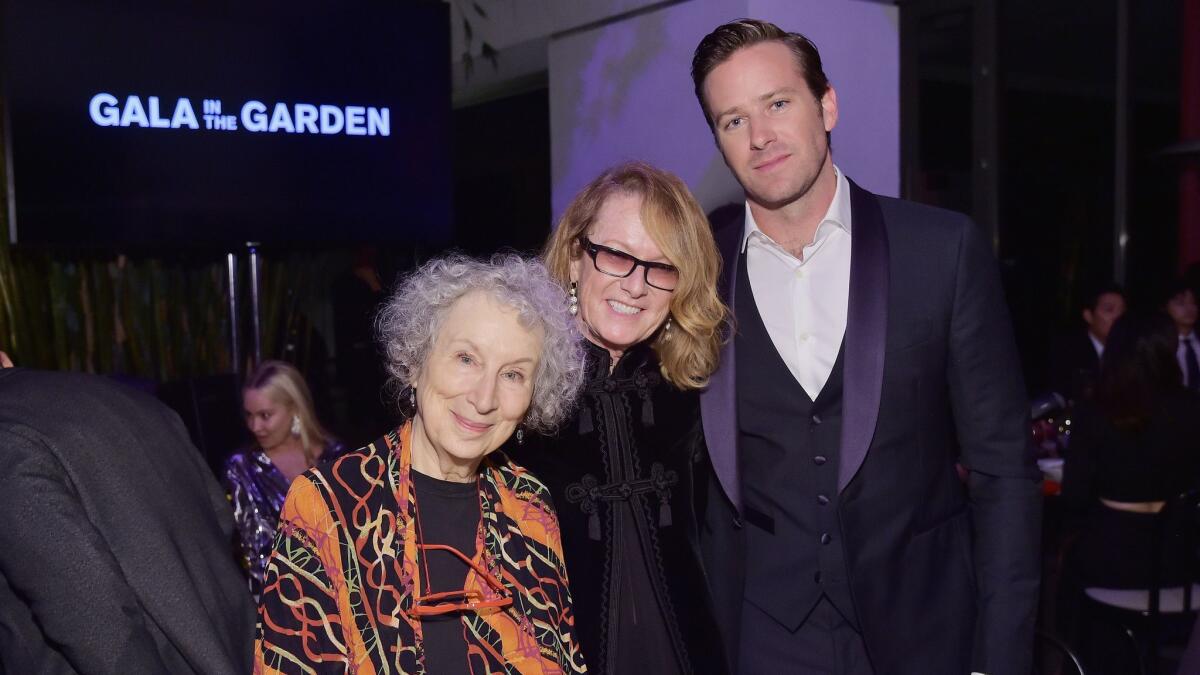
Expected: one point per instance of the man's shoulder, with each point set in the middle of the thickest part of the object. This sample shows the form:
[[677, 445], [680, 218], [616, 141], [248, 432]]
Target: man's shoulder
[[908, 213], [29, 396]]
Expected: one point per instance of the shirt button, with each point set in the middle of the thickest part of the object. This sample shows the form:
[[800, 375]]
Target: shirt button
[[803, 337], [799, 272], [822, 500], [826, 538], [819, 460]]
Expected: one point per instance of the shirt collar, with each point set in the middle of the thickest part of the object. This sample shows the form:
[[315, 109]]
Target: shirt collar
[[838, 213]]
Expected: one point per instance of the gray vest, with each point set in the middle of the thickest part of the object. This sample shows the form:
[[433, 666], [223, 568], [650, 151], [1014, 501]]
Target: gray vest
[[788, 446]]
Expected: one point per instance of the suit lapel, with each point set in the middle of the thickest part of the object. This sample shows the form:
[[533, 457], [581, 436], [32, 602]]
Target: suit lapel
[[866, 332], [718, 403]]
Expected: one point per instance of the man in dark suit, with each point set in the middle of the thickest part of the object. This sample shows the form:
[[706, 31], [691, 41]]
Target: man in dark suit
[[1075, 361], [872, 352], [115, 547]]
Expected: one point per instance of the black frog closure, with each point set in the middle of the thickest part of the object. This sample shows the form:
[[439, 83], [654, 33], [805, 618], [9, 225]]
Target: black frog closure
[[622, 473]]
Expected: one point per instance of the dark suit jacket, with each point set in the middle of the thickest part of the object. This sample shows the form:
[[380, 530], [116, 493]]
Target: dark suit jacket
[[115, 547], [1074, 365], [944, 576]]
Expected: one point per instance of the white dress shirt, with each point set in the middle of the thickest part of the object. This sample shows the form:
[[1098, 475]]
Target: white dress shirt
[[1096, 344], [803, 301], [1185, 342]]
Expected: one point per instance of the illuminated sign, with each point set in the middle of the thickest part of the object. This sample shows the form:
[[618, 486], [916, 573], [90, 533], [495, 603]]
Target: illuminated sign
[[106, 110]]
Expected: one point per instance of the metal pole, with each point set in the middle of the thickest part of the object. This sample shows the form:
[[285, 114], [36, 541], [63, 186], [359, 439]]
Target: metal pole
[[235, 333], [1121, 154], [985, 120], [255, 281]]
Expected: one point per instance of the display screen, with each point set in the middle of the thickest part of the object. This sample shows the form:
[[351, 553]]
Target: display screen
[[181, 123]]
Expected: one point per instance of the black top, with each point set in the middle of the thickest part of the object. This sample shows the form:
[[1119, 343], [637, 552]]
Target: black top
[[621, 473], [448, 513], [1152, 464]]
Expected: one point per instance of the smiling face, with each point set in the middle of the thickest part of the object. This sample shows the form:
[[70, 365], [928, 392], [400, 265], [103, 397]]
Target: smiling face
[[618, 312], [269, 420], [474, 387], [770, 130]]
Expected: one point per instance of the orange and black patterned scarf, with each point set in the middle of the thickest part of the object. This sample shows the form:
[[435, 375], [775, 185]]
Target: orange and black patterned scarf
[[340, 581]]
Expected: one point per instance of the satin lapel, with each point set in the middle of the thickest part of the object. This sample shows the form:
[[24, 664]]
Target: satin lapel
[[718, 403], [866, 332]]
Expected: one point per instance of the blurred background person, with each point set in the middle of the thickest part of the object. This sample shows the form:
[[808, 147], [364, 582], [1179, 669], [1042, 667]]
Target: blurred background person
[[423, 552], [1076, 359], [1133, 448], [113, 549], [1180, 305], [638, 257], [288, 440]]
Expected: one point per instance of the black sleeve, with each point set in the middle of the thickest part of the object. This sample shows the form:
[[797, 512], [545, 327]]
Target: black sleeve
[[1004, 488], [60, 564]]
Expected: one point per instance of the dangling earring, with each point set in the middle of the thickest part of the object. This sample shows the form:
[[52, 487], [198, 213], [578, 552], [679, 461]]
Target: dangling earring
[[295, 425], [667, 327], [521, 434], [573, 307], [408, 402]]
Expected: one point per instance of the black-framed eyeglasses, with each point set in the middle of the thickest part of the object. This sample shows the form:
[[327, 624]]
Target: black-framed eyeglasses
[[616, 263]]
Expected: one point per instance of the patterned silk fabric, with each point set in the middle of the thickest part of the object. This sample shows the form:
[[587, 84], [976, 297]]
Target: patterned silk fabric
[[341, 579], [256, 489]]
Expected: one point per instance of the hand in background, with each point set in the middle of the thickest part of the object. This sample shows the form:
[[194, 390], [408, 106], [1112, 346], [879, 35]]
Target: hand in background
[[5, 362]]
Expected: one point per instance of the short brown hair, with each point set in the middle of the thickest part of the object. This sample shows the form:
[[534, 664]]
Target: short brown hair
[[719, 45], [687, 353]]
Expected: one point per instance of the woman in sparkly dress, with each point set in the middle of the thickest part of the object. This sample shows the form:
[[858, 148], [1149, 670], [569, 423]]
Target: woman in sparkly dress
[[288, 441]]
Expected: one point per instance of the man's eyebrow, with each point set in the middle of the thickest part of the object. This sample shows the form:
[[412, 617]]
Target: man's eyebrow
[[765, 97]]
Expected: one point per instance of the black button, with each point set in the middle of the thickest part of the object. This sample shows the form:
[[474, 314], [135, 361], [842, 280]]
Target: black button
[[816, 419], [817, 576], [819, 460], [826, 538], [737, 522], [822, 500]]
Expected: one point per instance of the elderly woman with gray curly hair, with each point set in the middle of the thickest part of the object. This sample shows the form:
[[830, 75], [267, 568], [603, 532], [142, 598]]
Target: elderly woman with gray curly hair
[[425, 551]]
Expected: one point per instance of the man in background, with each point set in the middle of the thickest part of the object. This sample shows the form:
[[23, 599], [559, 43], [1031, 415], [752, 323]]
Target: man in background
[[1076, 358], [115, 540], [1180, 305]]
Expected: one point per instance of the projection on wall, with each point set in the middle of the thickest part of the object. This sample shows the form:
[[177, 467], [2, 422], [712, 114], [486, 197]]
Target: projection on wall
[[152, 124]]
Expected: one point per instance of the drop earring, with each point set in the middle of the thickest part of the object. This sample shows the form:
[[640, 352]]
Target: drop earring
[[573, 307], [408, 402], [521, 434], [667, 327], [295, 425]]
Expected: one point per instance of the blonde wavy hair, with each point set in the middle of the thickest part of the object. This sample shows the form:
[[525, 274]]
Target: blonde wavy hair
[[688, 352], [283, 384]]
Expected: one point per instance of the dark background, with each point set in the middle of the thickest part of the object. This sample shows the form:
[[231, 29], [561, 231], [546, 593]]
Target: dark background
[[171, 187]]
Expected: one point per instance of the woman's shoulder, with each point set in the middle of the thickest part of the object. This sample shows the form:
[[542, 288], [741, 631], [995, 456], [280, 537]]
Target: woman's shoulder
[[514, 478], [241, 462], [338, 459]]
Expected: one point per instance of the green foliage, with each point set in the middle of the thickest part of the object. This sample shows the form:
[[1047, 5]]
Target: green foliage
[[156, 318]]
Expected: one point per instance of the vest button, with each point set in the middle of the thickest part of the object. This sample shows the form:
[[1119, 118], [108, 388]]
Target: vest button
[[816, 419], [822, 500], [817, 577], [826, 538], [819, 460]]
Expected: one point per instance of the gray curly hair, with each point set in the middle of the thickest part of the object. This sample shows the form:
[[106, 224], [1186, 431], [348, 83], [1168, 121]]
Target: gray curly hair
[[409, 321]]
